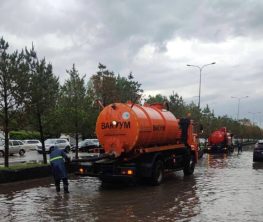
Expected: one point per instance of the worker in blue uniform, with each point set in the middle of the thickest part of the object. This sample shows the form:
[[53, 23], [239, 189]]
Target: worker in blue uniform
[[57, 163], [239, 146]]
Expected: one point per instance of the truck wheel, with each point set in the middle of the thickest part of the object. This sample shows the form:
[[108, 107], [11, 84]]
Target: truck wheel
[[189, 166], [21, 152], [2, 153], [157, 173]]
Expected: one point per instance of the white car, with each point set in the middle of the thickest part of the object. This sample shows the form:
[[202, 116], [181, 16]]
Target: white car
[[15, 147], [31, 144], [60, 143]]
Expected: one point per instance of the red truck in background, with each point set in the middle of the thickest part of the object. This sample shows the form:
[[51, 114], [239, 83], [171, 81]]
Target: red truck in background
[[220, 141]]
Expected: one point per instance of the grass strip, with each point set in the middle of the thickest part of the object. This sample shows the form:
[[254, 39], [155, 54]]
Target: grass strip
[[23, 166]]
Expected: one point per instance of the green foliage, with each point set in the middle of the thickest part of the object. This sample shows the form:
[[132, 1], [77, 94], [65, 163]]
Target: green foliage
[[13, 82], [23, 135], [43, 86], [156, 99], [128, 89], [206, 118], [92, 110], [105, 86], [42, 92], [23, 166], [72, 102], [108, 88]]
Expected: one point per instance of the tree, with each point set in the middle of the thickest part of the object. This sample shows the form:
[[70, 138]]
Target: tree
[[156, 99], [177, 105], [108, 88], [103, 85], [72, 101], [207, 120], [13, 81], [128, 89], [42, 92], [92, 110]]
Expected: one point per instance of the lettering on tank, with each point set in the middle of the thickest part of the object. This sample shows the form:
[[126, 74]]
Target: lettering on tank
[[158, 128], [118, 125]]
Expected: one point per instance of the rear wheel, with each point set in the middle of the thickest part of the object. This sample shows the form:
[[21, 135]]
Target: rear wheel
[[21, 152], [157, 173], [189, 164], [2, 153]]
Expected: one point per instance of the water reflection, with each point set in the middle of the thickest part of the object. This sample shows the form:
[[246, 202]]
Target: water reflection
[[89, 201], [217, 160], [175, 199], [223, 188]]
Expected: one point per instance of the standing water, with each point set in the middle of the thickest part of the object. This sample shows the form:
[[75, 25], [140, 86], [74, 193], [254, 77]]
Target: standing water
[[223, 188]]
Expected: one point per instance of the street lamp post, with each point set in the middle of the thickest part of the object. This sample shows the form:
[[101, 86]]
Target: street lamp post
[[238, 103], [200, 70]]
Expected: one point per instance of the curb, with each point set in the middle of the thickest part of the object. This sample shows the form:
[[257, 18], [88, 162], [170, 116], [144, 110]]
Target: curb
[[7, 176]]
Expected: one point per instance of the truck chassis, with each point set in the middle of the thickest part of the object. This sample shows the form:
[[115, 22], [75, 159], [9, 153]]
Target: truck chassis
[[149, 165]]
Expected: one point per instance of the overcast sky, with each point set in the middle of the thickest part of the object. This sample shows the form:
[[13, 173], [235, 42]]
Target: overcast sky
[[153, 39]]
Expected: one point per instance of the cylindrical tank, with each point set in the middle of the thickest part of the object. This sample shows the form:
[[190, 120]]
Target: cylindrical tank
[[217, 136], [121, 128]]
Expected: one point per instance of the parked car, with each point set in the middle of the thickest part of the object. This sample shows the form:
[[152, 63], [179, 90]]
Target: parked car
[[258, 151], [86, 145], [15, 147], [31, 144], [60, 143]]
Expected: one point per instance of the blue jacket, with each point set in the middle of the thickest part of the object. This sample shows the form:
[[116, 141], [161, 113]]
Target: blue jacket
[[57, 163]]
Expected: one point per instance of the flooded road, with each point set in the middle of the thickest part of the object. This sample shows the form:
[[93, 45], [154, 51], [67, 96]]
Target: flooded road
[[223, 188]]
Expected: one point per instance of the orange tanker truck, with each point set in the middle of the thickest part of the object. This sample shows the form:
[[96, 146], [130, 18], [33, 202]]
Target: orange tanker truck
[[141, 142], [220, 141]]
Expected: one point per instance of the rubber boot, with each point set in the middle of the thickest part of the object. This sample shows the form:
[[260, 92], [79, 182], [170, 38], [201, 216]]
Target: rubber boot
[[65, 184], [66, 189], [57, 183]]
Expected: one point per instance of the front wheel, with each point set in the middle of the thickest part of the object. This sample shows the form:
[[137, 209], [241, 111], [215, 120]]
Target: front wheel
[[157, 173], [21, 152], [189, 165]]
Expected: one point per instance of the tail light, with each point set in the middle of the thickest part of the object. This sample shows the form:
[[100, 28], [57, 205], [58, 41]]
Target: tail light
[[127, 172], [81, 170]]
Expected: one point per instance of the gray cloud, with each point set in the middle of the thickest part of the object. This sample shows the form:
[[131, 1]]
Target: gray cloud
[[138, 36]]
